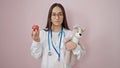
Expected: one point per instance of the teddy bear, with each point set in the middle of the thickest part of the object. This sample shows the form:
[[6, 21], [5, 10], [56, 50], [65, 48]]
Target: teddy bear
[[70, 56]]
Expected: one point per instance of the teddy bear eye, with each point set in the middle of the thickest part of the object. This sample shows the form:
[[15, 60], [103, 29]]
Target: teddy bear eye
[[77, 31]]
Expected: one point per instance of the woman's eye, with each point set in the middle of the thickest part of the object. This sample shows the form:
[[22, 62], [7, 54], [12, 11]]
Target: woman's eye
[[53, 14], [60, 14]]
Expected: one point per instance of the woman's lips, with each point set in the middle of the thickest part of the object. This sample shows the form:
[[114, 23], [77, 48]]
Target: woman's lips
[[57, 21]]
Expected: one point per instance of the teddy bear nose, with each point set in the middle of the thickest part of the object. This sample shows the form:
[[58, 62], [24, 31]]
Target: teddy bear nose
[[80, 34]]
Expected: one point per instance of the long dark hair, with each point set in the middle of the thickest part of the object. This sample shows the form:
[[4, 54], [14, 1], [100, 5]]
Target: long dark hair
[[49, 23]]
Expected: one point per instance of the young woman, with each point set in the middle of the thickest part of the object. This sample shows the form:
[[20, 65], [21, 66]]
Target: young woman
[[48, 43]]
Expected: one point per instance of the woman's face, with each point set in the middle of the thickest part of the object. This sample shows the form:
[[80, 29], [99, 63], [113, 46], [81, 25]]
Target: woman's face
[[57, 16]]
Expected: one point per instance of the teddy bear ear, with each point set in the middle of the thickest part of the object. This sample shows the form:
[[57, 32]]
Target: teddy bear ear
[[75, 27], [83, 29]]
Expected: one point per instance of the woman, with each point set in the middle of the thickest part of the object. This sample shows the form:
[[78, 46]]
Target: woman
[[48, 43]]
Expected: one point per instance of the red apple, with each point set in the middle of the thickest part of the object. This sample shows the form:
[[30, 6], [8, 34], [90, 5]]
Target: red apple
[[35, 27]]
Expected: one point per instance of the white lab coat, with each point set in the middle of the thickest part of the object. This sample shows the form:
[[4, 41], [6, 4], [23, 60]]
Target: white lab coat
[[40, 50]]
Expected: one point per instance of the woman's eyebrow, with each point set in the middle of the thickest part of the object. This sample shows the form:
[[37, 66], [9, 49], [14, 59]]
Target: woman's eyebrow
[[55, 12]]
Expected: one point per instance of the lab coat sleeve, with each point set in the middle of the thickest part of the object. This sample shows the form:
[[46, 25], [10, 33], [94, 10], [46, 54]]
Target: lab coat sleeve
[[37, 47]]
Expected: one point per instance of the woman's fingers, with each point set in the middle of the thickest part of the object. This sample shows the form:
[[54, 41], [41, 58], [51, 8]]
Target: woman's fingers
[[70, 45], [35, 35], [37, 32]]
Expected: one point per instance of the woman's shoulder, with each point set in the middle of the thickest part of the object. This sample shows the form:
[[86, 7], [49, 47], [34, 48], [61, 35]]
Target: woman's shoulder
[[68, 31], [43, 32]]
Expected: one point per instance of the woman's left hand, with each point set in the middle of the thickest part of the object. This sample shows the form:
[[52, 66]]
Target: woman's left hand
[[70, 45]]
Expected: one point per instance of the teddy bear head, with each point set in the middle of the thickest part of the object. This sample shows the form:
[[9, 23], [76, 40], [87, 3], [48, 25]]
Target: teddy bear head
[[77, 31]]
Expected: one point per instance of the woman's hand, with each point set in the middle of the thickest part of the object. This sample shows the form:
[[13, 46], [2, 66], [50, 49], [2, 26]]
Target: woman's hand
[[70, 45], [35, 35]]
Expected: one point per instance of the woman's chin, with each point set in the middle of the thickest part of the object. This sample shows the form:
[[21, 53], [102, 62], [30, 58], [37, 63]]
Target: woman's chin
[[57, 24]]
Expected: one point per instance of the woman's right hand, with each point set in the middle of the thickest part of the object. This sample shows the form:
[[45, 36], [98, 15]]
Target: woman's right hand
[[35, 35]]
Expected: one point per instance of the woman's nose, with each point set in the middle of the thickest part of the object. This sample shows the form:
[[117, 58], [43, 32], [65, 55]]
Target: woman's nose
[[57, 17]]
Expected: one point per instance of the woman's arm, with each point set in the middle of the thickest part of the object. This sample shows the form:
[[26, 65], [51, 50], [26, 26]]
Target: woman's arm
[[37, 47]]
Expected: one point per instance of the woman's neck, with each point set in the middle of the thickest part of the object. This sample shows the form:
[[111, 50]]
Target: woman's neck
[[56, 28]]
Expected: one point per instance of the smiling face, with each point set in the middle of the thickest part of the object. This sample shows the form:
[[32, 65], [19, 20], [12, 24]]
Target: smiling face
[[57, 16]]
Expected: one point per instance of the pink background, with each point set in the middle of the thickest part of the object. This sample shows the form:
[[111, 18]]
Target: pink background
[[101, 38]]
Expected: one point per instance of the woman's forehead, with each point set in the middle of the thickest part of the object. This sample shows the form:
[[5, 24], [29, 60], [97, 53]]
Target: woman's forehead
[[56, 10]]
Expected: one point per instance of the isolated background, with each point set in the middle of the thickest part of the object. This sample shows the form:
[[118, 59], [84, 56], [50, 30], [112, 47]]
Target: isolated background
[[101, 18]]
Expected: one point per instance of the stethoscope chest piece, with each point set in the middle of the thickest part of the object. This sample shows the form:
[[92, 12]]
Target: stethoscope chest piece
[[49, 53]]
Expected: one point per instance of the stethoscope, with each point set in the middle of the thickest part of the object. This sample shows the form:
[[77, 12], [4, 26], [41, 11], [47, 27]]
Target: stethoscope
[[51, 41]]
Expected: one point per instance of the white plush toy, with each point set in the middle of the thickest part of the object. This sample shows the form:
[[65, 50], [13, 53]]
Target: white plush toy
[[70, 56]]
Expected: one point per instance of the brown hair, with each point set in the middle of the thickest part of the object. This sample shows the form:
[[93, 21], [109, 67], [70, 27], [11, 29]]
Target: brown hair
[[49, 23]]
